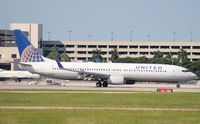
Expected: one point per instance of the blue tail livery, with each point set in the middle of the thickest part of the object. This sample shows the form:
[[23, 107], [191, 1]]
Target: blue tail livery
[[26, 50], [59, 64]]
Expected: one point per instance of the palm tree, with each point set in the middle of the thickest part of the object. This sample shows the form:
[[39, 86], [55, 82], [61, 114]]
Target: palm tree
[[114, 55], [169, 55], [64, 57], [97, 55], [158, 54], [53, 54], [182, 56]]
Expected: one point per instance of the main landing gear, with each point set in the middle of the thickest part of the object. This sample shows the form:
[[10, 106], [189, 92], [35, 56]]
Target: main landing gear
[[103, 83], [178, 86]]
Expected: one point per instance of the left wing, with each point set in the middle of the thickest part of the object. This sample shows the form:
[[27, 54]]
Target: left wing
[[84, 73]]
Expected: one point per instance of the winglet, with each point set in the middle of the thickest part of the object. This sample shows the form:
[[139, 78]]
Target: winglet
[[59, 64]]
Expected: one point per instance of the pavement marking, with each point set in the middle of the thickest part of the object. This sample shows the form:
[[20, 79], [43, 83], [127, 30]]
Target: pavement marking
[[94, 108]]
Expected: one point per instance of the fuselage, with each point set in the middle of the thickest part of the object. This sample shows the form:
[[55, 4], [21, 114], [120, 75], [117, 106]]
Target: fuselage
[[135, 72]]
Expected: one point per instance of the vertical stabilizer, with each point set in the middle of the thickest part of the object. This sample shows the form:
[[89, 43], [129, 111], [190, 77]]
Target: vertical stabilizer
[[26, 50]]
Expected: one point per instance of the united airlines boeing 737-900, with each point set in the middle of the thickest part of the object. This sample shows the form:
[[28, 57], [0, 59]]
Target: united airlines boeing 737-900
[[103, 73]]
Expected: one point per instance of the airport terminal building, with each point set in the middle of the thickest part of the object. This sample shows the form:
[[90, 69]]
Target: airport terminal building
[[83, 50]]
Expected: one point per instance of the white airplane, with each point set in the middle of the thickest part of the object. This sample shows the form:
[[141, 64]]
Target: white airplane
[[103, 73], [17, 75]]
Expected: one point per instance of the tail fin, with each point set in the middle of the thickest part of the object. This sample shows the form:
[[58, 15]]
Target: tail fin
[[26, 50], [59, 64]]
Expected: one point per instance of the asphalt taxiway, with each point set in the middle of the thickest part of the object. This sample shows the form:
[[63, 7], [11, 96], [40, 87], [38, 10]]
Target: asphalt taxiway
[[90, 86]]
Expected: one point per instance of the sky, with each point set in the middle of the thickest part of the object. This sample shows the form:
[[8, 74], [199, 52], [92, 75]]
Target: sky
[[157, 18]]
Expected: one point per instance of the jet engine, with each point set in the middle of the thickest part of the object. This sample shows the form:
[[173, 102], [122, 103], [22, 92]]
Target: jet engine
[[118, 80]]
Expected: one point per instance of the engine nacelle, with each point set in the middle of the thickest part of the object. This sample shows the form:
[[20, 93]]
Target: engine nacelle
[[116, 79]]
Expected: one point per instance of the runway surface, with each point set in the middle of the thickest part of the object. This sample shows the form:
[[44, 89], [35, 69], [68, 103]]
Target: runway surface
[[91, 86]]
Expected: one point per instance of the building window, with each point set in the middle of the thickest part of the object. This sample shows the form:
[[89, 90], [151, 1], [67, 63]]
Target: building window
[[144, 47], [133, 53], [133, 46], [154, 47], [14, 56], [166, 53], [70, 52], [175, 47], [151, 53], [123, 46], [196, 53], [185, 47], [164, 47], [90, 52], [111, 46], [69, 46], [81, 52], [144, 53], [102, 46], [122, 53], [48, 45], [196, 47], [174, 53], [60, 46], [60, 52], [81, 58], [92, 46], [81, 46], [104, 52]]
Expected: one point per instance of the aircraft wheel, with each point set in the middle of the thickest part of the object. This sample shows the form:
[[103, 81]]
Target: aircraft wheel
[[98, 84], [105, 84], [178, 86]]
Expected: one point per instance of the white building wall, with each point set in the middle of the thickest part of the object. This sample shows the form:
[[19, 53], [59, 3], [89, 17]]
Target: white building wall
[[6, 54]]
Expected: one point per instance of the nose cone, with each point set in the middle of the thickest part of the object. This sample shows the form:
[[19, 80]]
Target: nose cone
[[193, 76]]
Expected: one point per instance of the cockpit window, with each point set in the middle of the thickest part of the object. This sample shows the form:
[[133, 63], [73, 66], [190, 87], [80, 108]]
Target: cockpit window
[[185, 70]]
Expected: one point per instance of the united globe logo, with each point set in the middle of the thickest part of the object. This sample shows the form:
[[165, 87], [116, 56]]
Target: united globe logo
[[30, 54]]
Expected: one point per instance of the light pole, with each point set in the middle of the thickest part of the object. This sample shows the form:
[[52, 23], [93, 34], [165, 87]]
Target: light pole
[[174, 34], [70, 35], [148, 37], [191, 37], [131, 35], [89, 37], [49, 34], [112, 33]]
